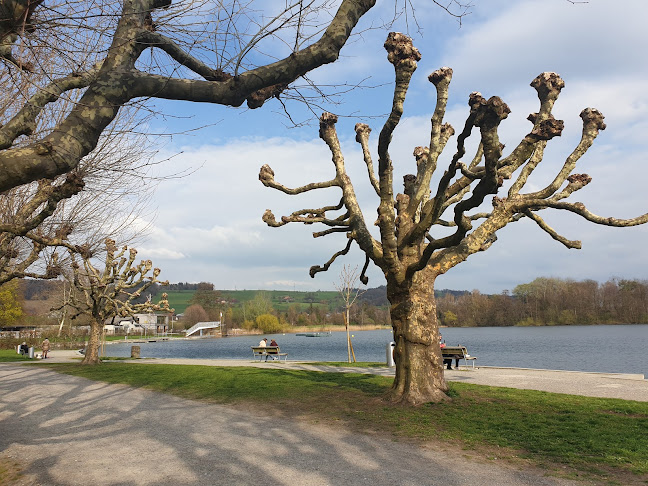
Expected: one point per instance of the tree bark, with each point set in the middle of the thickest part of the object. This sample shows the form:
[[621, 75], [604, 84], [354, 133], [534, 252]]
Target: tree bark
[[92, 350], [419, 364]]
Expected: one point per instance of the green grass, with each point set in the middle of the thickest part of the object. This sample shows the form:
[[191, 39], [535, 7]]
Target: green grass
[[179, 299], [580, 435], [8, 355], [357, 364]]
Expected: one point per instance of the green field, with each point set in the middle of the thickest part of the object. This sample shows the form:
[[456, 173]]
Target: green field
[[179, 299]]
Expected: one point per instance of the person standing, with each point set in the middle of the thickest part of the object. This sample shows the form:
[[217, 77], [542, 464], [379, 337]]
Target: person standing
[[45, 346]]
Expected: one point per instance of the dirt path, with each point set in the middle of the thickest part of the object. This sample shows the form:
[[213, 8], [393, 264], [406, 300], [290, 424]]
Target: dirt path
[[64, 430]]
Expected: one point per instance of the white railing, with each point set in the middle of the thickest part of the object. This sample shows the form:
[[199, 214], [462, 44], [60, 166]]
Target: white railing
[[200, 326]]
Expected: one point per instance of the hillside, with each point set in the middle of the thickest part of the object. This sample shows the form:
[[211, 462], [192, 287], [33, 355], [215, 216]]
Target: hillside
[[282, 299], [40, 295]]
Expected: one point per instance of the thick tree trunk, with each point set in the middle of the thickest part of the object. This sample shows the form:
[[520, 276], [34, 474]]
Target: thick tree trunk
[[92, 351], [419, 364]]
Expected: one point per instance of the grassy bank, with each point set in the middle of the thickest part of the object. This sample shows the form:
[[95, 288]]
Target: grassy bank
[[8, 355], [570, 435]]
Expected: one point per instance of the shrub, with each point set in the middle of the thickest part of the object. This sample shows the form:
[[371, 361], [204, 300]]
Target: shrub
[[249, 325], [268, 323]]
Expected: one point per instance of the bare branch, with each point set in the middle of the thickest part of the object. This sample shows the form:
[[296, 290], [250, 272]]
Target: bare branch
[[266, 176], [553, 233], [362, 137], [592, 124], [315, 269], [581, 210]]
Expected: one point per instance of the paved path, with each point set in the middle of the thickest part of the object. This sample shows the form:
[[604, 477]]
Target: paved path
[[67, 430]]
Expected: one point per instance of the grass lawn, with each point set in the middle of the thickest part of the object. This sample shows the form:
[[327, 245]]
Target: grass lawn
[[571, 435], [8, 355]]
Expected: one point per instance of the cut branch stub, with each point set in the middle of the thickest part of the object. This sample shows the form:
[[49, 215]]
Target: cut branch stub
[[546, 129], [490, 113], [579, 180], [256, 99], [362, 132], [266, 175], [421, 154], [73, 184], [447, 131], [269, 219], [592, 119], [111, 246], [548, 85], [53, 270], [327, 121], [441, 76], [475, 100], [401, 52]]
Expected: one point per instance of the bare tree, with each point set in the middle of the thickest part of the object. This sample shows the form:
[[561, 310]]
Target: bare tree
[[349, 294], [199, 51], [193, 314], [102, 198], [22, 212], [116, 53], [69, 68], [111, 291], [417, 243]]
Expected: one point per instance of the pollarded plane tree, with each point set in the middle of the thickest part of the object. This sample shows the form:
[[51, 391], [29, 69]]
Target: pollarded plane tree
[[69, 67], [110, 292], [417, 243]]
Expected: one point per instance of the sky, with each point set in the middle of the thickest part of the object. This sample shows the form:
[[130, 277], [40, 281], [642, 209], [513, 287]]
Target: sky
[[207, 225]]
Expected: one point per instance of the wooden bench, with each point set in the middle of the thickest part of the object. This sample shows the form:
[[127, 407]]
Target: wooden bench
[[268, 352], [456, 352]]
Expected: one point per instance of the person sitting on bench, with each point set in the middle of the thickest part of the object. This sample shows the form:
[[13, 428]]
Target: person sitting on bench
[[24, 349], [448, 362]]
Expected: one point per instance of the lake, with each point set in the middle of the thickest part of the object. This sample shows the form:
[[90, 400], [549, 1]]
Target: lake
[[608, 349]]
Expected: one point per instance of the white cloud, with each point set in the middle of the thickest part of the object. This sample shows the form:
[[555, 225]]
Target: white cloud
[[157, 254], [524, 38]]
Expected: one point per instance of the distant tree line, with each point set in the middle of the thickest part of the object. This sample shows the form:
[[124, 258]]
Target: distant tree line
[[378, 295], [550, 301], [187, 286], [544, 301], [261, 313]]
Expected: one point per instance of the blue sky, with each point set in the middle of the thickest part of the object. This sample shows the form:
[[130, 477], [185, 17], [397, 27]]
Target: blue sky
[[208, 225]]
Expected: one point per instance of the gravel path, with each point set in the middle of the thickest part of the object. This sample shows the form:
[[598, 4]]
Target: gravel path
[[66, 430]]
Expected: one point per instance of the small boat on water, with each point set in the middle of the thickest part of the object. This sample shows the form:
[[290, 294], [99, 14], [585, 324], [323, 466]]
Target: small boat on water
[[314, 334]]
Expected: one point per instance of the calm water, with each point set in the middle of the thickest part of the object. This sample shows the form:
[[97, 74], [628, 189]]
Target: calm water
[[613, 349]]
